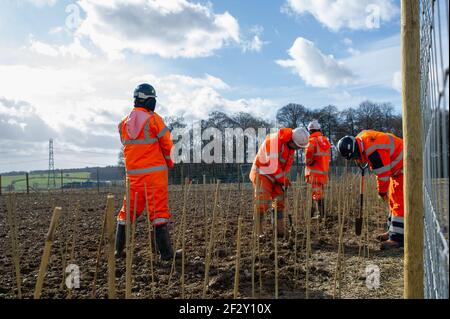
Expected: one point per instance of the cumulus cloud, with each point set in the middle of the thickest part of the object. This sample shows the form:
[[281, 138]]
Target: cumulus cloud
[[314, 67], [74, 49], [195, 98], [351, 14], [397, 81], [170, 29], [20, 122], [42, 3]]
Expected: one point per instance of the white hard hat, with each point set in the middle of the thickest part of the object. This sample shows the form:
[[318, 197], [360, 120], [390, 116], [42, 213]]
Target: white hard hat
[[300, 137], [314, 125]]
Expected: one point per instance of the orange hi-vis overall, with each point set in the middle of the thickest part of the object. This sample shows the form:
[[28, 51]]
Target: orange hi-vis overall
[[147, 147], [384, 153], [317, 163], [271, 167]]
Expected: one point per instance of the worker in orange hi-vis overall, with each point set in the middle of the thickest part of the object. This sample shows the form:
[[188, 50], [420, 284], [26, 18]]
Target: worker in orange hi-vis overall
[[384, 154], [317, 158], [270, 169], [147, 147]]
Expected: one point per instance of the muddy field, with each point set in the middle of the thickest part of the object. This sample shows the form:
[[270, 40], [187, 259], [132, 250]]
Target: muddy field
[[81, 224]]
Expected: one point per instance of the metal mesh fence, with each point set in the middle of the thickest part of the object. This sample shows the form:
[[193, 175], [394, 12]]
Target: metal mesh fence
[[435, 111]]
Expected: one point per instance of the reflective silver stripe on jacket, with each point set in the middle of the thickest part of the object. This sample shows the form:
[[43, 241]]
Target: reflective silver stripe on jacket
[[158, 221], [315, 171], [386, 168], [396, 230], [163, 132], [397, 219], [146, 140], [263, 174], [384, 179], [147, 170]]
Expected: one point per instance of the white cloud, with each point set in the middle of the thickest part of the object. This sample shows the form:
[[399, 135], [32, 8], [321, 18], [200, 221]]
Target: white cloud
[[254, 45], [397, 81], [314, 67], [195, 98], [351, 14], [42, 3], [74, 49], [170, 29], [376, 64]]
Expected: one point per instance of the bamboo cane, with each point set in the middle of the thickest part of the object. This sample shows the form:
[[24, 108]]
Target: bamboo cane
[[128, 244], [275, 231], [97, 260], [255, 231], [211, 239], [238, 257], [110, 245], [308, 240], [74, 236], [183, 241], [150, 238], [46, 253], [14, 246]]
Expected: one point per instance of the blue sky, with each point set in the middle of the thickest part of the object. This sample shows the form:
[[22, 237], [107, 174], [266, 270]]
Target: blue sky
[[72, 79]]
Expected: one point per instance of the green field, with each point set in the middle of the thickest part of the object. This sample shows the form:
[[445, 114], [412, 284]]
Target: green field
[[40, 181]]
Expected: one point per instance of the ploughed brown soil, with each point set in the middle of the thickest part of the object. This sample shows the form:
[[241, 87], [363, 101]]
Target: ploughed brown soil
[[33, 213]]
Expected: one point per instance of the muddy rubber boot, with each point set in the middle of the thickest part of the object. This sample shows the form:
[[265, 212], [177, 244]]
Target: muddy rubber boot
[[314, 213], [391, 245], [163, 243], [383, 237], [120, 241]]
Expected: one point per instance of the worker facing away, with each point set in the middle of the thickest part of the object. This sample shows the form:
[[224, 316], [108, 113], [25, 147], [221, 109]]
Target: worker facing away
[[269, 173], [317, 159], [147, 147], [384, 154]]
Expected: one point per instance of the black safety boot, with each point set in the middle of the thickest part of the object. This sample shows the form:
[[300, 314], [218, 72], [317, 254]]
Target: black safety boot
[[321, 207], [163, 243], [120, 240]]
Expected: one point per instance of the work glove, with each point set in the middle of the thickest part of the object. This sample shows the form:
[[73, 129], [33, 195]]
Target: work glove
[[383, 196]]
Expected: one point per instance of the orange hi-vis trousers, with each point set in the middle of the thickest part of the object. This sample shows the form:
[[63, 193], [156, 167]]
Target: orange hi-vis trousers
[[396, 205], [268, 192], [157, 198]]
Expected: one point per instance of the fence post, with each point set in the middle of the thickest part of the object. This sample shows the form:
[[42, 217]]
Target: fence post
[[413, 161], [27, 177], [0, 185], [98, 181], [62, 182]]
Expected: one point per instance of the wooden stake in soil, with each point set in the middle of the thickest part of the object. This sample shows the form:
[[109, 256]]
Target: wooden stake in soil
[[110, 244], [99, 249], [150, 237], [183, 240], [238, 259], [308, 240], [275, 240], [46, 254], [73, 239], [211, 242], [128, 244], [11, 216]]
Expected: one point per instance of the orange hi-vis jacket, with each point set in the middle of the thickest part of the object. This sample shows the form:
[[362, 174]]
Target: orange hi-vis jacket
[[384, 153], [147, 148], [274, 158], [317, 158]]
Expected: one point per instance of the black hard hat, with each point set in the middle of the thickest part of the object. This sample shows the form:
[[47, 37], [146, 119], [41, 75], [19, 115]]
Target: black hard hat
[[145, 96], [144, 92], [348, 147]]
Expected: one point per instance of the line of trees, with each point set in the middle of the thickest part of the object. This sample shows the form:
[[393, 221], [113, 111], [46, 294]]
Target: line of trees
[[335, 123]]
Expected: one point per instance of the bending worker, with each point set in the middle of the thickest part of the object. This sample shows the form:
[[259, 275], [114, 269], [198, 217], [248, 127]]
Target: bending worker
[[317, 165], [271, 167], [384, 154], [147, 147]]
